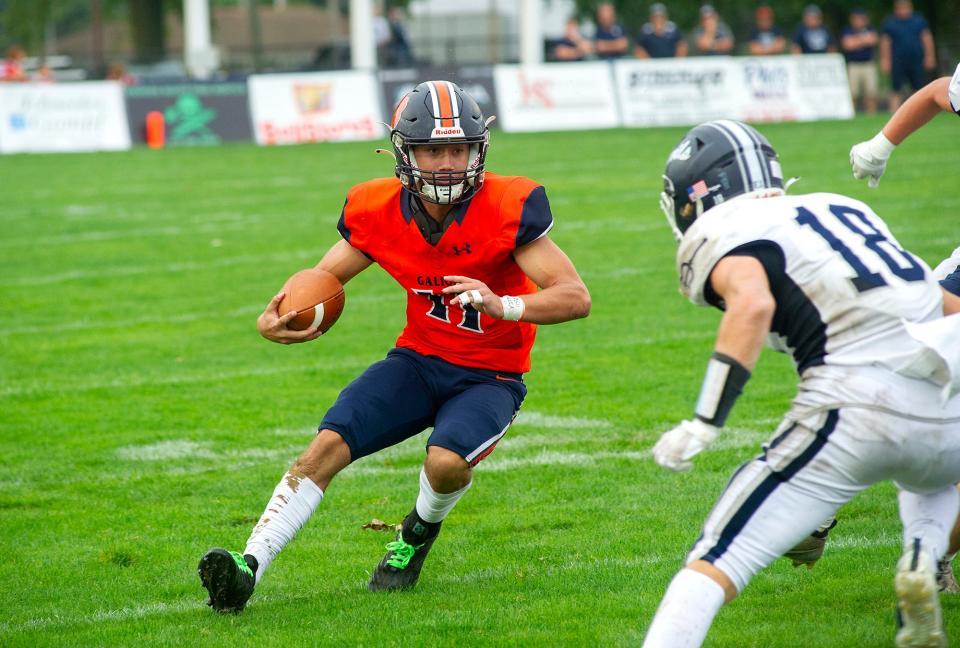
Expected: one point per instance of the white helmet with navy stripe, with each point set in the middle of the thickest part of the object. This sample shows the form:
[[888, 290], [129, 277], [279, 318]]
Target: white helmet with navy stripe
[[715, 162], [439, 112]]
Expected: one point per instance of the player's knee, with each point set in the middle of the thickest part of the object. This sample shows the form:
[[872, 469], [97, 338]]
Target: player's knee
[[446, 470], [326, 455]]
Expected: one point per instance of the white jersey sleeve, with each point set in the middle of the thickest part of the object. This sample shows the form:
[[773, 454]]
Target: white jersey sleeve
[[842, 283], [954, 91]]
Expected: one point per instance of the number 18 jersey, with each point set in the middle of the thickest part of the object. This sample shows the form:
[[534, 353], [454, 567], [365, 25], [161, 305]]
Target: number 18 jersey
[[841, 281]]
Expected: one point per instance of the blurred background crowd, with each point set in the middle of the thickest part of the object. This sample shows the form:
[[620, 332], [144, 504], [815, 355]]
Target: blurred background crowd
[[890, 47]]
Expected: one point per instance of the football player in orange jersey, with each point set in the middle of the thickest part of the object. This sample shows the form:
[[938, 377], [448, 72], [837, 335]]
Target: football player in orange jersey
[[471, 251]]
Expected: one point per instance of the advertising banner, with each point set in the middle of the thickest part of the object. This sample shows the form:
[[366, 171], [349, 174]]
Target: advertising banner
[[315, 107], [195, 114], [670, 92], [793, 88], [68, 117], [556, 96], [476, 80]]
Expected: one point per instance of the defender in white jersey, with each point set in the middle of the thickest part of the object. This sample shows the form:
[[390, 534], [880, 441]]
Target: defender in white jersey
[[822, 278]]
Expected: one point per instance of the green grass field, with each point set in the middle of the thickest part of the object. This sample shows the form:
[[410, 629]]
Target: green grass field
[[143, 419]]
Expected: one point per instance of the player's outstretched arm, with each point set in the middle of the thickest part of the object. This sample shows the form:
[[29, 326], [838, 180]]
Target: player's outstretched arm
[[869, 159], [344, 262], [563, 295], [742, 284]]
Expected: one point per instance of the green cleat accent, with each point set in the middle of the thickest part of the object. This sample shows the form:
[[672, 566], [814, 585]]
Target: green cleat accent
[[402, 553]]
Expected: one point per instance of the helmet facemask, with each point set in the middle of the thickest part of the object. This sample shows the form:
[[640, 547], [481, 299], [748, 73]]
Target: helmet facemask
[[443, 187], [439, 113]]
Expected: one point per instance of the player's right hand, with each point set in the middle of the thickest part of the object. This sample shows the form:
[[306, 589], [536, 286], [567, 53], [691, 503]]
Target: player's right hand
[[867, 165], [677, 447], [273, 326]]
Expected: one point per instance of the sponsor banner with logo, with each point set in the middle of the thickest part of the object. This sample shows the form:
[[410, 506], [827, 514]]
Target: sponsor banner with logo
[[68, 117], [793, 88], [195, 114], [315, 107], [668, 92], [475, 80], [556, 96]]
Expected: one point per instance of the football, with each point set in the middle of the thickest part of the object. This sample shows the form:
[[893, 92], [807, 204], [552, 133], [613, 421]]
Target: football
[[317, 297]]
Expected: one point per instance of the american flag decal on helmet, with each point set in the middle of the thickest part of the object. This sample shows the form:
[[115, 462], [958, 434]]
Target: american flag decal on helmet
[[446, 110], [697, 190]]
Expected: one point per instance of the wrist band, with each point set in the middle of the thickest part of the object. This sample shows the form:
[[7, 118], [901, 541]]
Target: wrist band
[[722, 384], [513, 308]]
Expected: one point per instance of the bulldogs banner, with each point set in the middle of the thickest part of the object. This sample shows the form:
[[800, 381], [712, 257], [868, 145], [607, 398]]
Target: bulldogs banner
[[670, 92], [556, 96], [195, 114], [69, 117], [315, 107]]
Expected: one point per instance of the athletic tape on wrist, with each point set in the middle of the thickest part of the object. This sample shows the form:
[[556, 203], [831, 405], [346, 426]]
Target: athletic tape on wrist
[[722, 384], [513, 308]]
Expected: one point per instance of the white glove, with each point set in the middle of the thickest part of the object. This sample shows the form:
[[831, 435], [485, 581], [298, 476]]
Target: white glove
[[867, 162], [676, 447]]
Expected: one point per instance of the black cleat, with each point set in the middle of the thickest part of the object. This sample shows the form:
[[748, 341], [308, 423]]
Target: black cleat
[[946, 581], [809, 550], [400, 567], [228, 577]]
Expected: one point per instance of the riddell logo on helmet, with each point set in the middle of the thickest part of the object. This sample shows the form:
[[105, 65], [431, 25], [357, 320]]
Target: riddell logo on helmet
[[447, 132]]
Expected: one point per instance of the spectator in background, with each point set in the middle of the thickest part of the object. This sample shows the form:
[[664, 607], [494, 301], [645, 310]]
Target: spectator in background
[[399, 49], [573, 46], [811, 37], [766, 37], [117, 72], [859, 42], [610, 42], [381, 33], [660, 38], [712, 36], [43, 75], [906, 49], [13, 65]]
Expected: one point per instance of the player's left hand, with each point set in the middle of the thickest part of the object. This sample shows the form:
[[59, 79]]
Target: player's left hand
[[468, 291], [676, 447]]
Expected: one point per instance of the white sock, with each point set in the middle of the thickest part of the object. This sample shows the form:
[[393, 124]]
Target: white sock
[[686, 611], [293, 502], [930, 518], [880, 146], [433, 506]]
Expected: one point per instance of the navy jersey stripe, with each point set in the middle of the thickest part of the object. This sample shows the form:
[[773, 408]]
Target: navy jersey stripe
[[342, 223], [951, 283], [535, 218], [768, 485], [796, 318]]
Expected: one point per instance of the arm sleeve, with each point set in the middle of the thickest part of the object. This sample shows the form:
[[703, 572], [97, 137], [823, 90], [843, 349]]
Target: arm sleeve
[[769, 256], [536, 219], [346, 226], [342, 223]]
